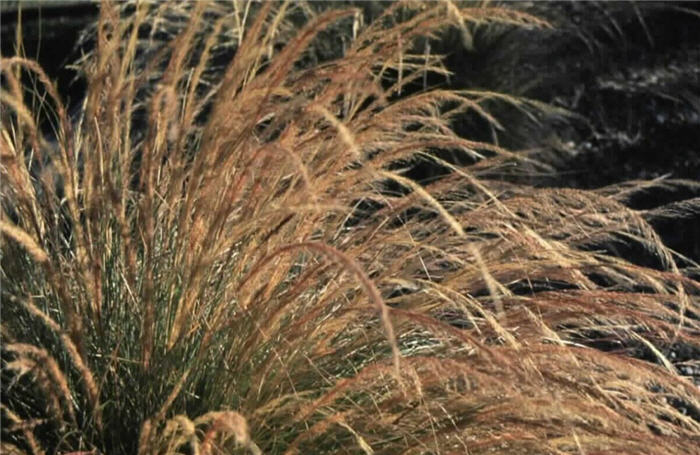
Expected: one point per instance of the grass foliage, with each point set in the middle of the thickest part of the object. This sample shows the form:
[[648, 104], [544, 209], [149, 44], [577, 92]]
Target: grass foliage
[[227, 255]]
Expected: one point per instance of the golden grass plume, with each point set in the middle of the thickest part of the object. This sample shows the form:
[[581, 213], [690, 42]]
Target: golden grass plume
[[229, 257]]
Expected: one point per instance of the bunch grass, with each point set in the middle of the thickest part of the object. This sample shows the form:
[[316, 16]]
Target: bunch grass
[[228, 256]]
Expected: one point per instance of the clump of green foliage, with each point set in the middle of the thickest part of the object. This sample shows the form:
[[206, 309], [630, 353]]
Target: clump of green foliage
[[232, 259]]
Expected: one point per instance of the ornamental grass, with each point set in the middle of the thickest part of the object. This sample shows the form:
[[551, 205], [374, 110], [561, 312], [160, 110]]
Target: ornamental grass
[[224, 251]]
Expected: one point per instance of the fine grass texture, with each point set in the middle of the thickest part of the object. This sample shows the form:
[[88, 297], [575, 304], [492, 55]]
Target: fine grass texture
[[225, 254]]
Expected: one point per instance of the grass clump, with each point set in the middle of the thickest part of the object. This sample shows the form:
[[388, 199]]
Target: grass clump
[[225, 254]]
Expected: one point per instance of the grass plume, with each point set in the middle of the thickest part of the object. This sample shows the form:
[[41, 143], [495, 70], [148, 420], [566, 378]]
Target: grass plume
[[222, 253]]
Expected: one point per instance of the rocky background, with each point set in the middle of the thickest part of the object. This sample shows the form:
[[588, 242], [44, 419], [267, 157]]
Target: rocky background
[[630, 75]]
